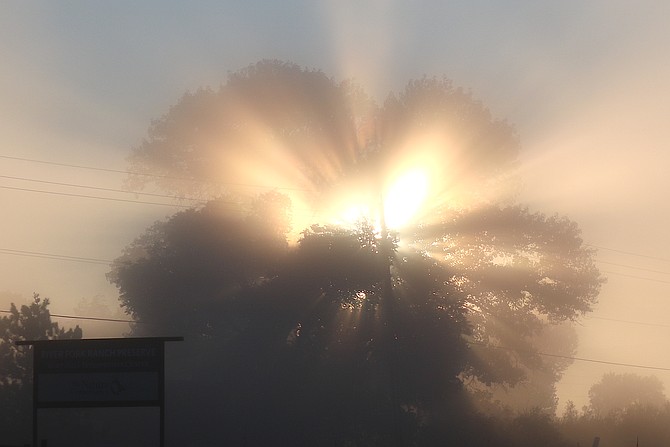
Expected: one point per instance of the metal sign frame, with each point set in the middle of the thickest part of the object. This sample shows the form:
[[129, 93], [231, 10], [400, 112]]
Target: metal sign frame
[[99, 372]]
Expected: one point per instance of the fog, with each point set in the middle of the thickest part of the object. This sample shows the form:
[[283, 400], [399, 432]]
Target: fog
[[585, 86]]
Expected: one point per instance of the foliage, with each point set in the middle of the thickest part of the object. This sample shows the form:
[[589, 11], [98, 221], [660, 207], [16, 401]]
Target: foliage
[[637, 424], [618, 392], [535, 428], [30, 322], [521, 272], [476, 152], [210, 137], [175, 275]]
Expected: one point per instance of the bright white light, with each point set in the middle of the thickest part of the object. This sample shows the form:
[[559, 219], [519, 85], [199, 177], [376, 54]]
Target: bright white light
[[404, 198], [355, 214]]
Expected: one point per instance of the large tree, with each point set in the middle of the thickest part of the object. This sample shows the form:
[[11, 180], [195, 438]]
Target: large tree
[[361, 325]]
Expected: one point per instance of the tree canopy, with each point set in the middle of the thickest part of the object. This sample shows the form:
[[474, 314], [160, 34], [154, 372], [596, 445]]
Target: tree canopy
[[217, 141], [278, 125], [354, 326]]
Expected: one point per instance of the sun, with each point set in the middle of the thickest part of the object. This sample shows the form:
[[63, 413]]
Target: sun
[[400, 201], [404, 198]]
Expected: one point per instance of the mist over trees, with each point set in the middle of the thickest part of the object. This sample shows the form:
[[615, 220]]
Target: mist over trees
[[624, 409], [348, 335], [619, 392]]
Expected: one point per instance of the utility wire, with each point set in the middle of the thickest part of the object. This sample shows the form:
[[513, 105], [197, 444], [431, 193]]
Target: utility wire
[[642, 323], [72, 185], [61, 257], [569, 357], [111, 320], [128, 172], [636, 277], [113, 199], [633, 267], [92, 168], [31, 160], [77, 317], [144, 174], [96, 188], [37, 254], [545, 354], [298, 211], [604, 362], [628, 253]]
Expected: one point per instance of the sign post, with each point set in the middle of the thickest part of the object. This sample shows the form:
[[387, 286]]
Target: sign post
[[103, 372]]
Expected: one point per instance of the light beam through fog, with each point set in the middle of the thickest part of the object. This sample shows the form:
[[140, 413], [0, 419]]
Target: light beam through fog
[[585, 85]]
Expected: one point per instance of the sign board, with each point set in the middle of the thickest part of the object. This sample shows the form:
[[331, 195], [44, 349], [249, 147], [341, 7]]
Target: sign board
[[102, 372], [99, 372]]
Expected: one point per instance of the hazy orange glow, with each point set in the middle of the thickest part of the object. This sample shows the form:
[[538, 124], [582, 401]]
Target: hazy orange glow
[[590, 102], [421, 181], [401, 202]]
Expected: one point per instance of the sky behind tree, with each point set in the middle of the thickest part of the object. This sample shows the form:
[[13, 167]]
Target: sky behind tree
[[584, 83]]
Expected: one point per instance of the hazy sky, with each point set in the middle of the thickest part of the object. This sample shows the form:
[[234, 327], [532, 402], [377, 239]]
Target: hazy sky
[[586, 84]]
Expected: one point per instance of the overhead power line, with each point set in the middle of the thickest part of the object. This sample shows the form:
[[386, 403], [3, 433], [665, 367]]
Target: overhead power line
[[642, 323], [97, 188], [111, 320], [129, 172], [85, 196], [298, 211], [579, 359], [79, 317], [92, 168], [545, 354], [59, 257], [630, 253], [634, 268], [146, 174], [636, 277], [604, 362]]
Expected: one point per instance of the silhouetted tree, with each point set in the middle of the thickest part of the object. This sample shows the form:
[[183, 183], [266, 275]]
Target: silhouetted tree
[[618, 392], [622, 428], [535, 428], [348, 336], [176, 275], [30, 322]]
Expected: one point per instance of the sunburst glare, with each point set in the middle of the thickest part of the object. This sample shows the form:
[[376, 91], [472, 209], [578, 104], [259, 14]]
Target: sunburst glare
[[405, 197]]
